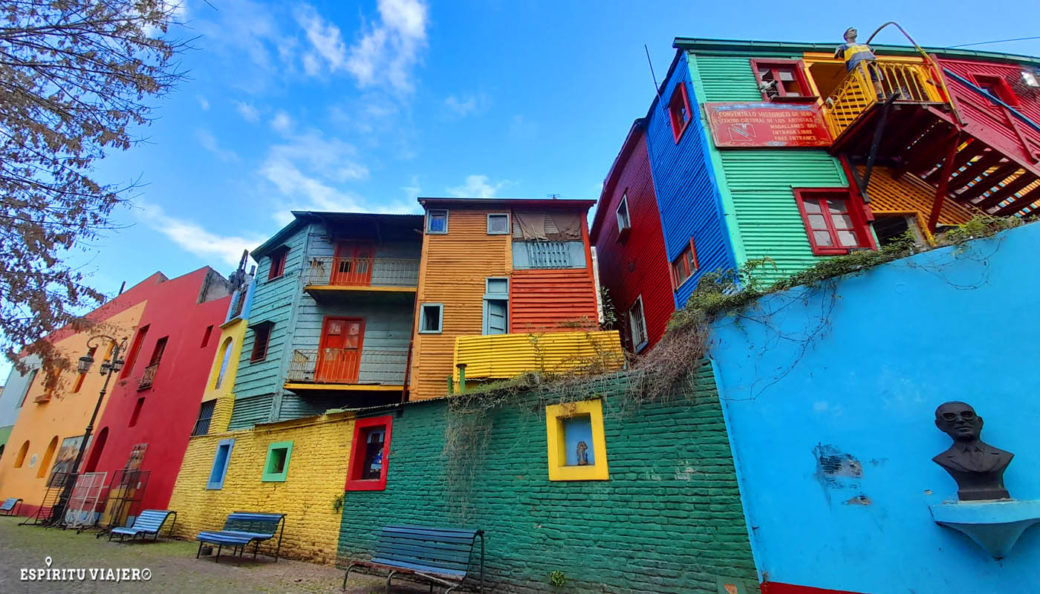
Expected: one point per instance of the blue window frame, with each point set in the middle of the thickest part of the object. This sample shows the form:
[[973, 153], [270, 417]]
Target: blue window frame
[[496, 305], [437, 221], [220, 464], [431, 318]]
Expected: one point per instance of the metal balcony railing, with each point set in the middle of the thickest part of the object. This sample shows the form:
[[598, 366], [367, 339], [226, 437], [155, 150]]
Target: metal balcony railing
[[148, 377], [364, 272], [348, 366], [914, 83]]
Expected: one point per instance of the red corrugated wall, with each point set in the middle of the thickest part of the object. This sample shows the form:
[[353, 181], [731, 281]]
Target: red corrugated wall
[[543, 299], [639, 264]]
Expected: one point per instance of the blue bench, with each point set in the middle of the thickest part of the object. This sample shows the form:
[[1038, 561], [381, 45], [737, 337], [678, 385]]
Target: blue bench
[[438, 555], [8, 506], [150, 521], [243, 528]]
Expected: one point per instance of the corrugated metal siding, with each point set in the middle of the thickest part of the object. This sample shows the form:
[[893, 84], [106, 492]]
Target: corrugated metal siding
[[687, 191], [453, 269], [543, 299], [295, 407], [250, 411], [760, 182], [508, 355], [727, 78], [909, 194]]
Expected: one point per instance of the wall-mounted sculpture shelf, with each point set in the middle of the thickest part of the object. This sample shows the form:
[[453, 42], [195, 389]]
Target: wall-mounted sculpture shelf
[[994, 525]]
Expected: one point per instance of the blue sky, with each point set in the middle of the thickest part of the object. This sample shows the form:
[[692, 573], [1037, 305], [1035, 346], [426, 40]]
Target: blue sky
[[366, 105]]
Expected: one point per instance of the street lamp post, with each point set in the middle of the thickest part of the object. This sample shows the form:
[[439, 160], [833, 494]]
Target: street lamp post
[[110, 366]]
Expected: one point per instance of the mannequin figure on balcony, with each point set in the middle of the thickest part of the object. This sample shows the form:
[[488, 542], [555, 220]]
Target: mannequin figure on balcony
[[855, 53]]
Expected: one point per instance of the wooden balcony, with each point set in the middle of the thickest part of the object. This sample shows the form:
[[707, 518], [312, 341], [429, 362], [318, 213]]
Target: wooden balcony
[[347, 369], [504, 356], [362, 274]]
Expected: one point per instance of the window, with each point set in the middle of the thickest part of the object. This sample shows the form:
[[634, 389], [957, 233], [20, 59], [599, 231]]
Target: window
[[998, 87], [679, 111], [220, 464], [135, 348], [277, 258], [157, 353], [437, 221], [369, 454], [205, 416], [47, 457], [137, 412], [782, 80], [685, 265], [261, 337], [206, 335], [22, 451], [498, 224], [834, 222], [624, 223], [430, 318], [225, 358], [637, 325], [577, 446], [496, 306], [276, 467]]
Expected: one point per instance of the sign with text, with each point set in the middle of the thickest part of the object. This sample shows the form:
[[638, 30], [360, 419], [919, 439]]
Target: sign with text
[[740, 125]]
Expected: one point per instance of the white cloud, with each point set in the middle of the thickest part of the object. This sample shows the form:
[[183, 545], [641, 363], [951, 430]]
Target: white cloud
[[386, 53], [203, 102], [326, 42], [248, 112], [477, 186], [209, 142], [193, 238], [281, 122], [461, 107], [249, 28]]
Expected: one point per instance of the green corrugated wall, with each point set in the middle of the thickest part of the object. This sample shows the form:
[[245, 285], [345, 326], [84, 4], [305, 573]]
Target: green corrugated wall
[[758, 182]]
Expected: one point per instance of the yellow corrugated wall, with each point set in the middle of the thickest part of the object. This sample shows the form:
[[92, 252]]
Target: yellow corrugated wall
[[909, 195], [508, 355], [454, 267]]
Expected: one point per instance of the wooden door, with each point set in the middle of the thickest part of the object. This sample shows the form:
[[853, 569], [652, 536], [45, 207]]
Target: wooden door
[[339, 357], [352, 265]]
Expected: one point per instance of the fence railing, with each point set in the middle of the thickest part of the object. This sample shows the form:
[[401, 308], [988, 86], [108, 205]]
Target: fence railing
[[147, 377], [348, 366], [363, 272], [546, 254], [870, 83]]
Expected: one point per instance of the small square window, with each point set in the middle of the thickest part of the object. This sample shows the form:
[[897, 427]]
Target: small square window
[[261, 338], [782, 80], [276, 467], [834, 221], [430, 318], [498, 224], [637, 325], [437, 221], [370, 452], [577, 446], [496, 286], [277, 268], [684, 266], [624, 222], [679, 111], [220, 464], [205, 416]]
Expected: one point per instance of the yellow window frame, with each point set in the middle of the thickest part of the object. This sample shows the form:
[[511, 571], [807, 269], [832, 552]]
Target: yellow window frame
[[555, 415]]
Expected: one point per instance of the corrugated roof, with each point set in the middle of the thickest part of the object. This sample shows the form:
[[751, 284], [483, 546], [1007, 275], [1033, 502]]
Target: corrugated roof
[[546, 203]]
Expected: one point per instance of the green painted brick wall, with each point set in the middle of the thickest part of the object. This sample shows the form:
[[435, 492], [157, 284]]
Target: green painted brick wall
[[668, 520]]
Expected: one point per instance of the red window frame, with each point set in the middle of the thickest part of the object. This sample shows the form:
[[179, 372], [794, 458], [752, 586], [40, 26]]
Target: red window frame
[[357, 454], [853, 208], [797, 66], [678, 102], [261, 339], [277, 263], [135, 349], [997, 86], [682, 265]]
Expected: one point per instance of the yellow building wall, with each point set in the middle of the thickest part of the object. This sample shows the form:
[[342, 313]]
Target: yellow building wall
[[235, 331], [908, 195], [66, 414], [452, 272], [508, 355], [316, 478]]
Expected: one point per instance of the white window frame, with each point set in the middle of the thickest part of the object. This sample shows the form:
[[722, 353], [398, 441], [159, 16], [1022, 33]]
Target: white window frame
[[429, 217], [440, 318], [638, 346], [623, 223], [508, 228]]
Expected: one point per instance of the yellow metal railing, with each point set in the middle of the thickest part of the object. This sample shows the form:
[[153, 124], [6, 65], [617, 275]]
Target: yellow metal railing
[[504, 356], [870, 83]]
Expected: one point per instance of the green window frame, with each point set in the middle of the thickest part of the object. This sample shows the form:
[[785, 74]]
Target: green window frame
[[276, 465]]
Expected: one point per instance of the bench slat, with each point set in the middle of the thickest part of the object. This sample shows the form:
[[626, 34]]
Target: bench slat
[[418, 557], [419, 567], [446, 547], [433, 533], [433, 556]]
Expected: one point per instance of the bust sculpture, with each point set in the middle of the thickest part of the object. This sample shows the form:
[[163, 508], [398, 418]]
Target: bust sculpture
[[977, 466]]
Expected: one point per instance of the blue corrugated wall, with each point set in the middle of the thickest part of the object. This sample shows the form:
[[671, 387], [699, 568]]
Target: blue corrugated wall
[[687, 192]]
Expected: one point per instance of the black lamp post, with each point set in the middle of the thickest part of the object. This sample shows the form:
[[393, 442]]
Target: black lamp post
[[110, 366]]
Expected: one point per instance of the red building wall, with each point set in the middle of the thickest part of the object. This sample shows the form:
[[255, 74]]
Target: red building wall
[[171, 404], [638, 264]]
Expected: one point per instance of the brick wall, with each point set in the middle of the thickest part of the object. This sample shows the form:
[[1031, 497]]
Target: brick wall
[[668, 520], [317, 472]]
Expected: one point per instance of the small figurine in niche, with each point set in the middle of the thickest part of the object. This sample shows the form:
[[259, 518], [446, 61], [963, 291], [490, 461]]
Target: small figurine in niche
[[977, 466], [853, 53], [583, 454]]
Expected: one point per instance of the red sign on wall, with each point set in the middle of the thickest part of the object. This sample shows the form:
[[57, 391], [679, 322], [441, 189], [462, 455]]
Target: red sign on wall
[[738, 125]]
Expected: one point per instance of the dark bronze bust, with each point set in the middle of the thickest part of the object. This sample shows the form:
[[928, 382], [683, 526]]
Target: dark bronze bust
[[977, 466]]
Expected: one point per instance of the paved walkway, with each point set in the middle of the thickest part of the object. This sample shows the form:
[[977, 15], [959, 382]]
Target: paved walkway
[[172, 566]]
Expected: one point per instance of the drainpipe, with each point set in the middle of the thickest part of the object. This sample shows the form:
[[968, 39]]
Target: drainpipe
[[462, 377]]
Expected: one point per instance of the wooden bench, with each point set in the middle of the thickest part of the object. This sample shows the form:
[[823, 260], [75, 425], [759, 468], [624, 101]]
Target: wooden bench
[[243, 528], [150, 521], [7, 508], [438, 555]]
